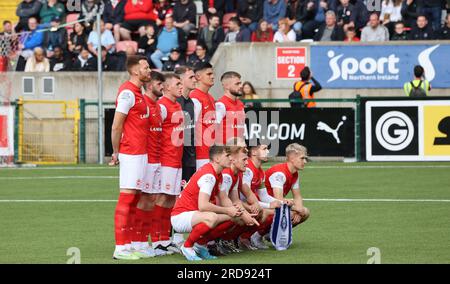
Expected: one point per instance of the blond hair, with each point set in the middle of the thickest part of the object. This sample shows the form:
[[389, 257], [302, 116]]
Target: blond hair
[[295, 148]]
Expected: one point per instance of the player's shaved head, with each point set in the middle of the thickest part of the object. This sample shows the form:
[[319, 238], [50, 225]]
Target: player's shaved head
[[202, 66], [133, 62], [169, 77]]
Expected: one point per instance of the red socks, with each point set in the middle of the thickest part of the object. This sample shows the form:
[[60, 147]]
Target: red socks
[[146, 225], [132, 216], [155, 229], [166, 226], [218, 232], [138, 232], [236, 232], [198, 231], [122, 218]]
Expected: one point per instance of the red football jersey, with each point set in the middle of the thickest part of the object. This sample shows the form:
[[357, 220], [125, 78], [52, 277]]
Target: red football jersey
[[154, 135], [230, 181], [205, 124], [130, 101], [205, 180], [279, 176], [253, 177], [231, 118], [172, 138]]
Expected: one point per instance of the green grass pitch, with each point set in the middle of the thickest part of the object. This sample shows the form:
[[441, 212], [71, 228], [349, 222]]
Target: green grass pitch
[[402, 209]]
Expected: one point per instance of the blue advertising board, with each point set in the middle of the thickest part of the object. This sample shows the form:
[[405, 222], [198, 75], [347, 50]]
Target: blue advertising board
[[379, 66]]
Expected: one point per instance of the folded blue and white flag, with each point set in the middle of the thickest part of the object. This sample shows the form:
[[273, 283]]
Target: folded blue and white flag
[[281, 230]]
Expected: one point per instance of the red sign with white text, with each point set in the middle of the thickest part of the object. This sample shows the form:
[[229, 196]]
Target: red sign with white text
[[290, 61]]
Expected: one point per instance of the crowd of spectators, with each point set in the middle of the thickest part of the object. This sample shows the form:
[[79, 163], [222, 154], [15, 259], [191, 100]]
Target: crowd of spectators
[[161, 29]]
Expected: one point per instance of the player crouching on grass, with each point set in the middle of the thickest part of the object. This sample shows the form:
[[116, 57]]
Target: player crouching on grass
[[283, 178], [195, 212], [255, 199], [229, 196]]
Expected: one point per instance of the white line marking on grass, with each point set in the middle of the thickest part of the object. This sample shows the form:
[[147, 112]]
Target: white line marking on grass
[[306, 199], [60, 177]]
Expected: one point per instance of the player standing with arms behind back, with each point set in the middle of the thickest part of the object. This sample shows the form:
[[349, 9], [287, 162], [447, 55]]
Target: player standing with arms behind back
[[230, 114], [129, 129], [205, 112], [171, 154]]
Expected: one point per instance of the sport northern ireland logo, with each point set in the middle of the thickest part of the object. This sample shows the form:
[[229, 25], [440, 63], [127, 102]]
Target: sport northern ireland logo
[[394, 131]]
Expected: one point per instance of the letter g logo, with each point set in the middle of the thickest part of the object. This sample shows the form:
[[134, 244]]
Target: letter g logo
[[403, 132]]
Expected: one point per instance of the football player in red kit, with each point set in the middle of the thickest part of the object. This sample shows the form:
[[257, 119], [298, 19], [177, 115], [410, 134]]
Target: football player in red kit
[[230, 114], [171, 155], [195, 211], [130, 124], [205, 112], [283, 178]]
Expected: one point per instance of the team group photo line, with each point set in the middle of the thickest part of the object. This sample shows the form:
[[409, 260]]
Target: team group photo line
[[188, 182]]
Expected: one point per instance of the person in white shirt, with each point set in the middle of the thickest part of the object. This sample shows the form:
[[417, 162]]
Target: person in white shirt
[[284, 33]]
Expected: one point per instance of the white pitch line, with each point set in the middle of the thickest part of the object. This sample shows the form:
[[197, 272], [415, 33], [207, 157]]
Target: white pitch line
[[306, 199], [60, 177]]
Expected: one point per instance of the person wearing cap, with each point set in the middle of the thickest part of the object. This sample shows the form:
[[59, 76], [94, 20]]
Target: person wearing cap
[[51, 9], [175, 60], [56, 36]]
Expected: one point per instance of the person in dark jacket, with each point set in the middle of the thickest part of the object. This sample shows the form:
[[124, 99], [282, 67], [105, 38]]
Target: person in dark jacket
[[147, 43], [56, 36], [330, 31], [250, 12], [422, 31], [184, 14], [212, 35], [77, 39], [410, 12], [25, 10], [175, 60], [109, 62], [60, 62], [200, 55], [238, 32], [432, 10], [399, 32], [81, 60], [444, 33]]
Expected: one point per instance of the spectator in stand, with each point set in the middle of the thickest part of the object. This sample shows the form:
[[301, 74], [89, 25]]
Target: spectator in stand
[[350, 35], [109, 62], [108, 14], [313, 17], [161, 9], [51, 9], [391, 13], [214, 7], [374, 31], [107, 39], [184, 15], [78, 39], [444, 33], [422, 31], [147, 43], [352, 15], [56, 36], [330, 31], [200, 55], [138, 14], [250, 94], [7, 28], [37, 62], [250, 12], [410, 12], [25, 10], [432, 10], [237, 32], [60, 62], [175, 60], [293, 11], [274, 10], [32, 40], [399, 32], [169, 37], [81, 60], [212, 35], [89, 10], [118, 14], [263, 33], [284, 33]]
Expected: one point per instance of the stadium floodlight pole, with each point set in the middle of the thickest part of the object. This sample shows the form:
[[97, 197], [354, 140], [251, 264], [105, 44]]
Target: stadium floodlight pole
[[100, 93]]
